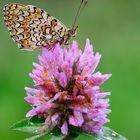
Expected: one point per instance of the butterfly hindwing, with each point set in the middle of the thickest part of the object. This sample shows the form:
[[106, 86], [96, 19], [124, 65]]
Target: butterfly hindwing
[[32, 27], [9, 14]]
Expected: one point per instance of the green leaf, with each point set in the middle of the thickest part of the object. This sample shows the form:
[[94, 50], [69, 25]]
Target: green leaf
[[49, 136], [71, 136], [108, 134], [35, 125], [32, 125], [52, 137], [35, 137], [84, 136]]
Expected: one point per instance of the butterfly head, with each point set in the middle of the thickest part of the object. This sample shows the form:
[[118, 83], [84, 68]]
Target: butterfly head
[[69, 34], [72, 32]]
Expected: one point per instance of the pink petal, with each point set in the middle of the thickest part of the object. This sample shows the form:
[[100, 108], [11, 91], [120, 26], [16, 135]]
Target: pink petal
[[87, 59], [31, 99], [37, 66], [75, 50], [76, 119], [98, 79], [31, 113], [62, 78], [31, 90], [80, 108], [55, 116], [48, 120], [91, 127], [102, 95], [64, 128]]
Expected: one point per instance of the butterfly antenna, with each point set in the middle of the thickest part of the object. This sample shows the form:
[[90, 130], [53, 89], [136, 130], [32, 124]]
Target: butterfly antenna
[[82, 5]]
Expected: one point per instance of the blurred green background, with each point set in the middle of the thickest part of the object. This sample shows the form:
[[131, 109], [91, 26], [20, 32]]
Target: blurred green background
[[113, 27]]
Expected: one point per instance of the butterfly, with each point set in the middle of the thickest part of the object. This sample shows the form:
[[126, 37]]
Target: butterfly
[[33, 28]]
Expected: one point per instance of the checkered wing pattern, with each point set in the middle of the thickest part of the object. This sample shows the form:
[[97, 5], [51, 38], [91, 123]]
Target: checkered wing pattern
[[31, 27]]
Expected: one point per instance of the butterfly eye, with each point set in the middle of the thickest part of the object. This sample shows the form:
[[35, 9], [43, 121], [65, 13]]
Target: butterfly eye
[[73, 32]]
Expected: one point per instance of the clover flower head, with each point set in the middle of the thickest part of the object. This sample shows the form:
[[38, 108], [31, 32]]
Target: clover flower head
[[67, 89]]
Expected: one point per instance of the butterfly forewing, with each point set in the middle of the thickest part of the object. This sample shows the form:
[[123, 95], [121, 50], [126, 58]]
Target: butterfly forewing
[[32, 27]]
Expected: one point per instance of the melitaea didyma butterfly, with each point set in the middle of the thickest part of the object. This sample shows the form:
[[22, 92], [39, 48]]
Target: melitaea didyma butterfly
[[33, 28]]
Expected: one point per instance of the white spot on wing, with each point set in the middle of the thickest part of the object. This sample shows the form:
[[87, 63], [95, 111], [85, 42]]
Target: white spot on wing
[[20, 30], [48, 36], [30, 8]]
